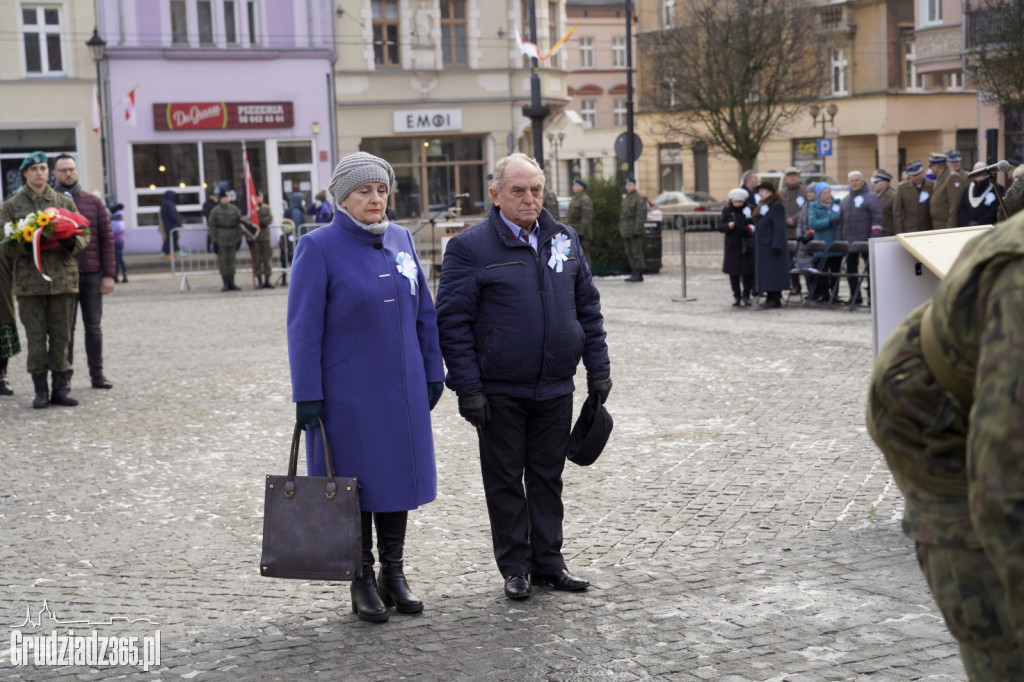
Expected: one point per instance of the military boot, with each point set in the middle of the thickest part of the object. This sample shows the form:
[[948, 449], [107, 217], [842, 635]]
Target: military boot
[[266, 282], [366, 602], [224, 279], [636, 276], [391, 584], [59, 394], [231, 283], [42, 398]]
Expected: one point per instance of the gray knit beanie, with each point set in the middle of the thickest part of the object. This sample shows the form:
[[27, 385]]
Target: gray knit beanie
[[358, 169]]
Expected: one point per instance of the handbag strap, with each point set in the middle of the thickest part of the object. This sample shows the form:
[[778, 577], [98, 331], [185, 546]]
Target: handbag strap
[[293, 461]]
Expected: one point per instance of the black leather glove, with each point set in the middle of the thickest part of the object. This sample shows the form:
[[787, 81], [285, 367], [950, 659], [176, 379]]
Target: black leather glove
[[68, 243], [309, 412], [776, 251], [474, 408], [27, 246], [599, 386], [435, 390]]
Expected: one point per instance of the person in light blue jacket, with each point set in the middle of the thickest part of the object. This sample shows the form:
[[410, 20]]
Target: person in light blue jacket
[[823, 223]]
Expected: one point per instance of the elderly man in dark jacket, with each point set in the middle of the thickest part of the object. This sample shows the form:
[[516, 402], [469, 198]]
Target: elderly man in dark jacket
[[95, 268], [860, 219], [517, 309]]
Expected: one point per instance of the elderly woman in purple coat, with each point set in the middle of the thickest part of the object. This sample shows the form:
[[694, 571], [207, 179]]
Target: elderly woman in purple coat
[[365, 360]]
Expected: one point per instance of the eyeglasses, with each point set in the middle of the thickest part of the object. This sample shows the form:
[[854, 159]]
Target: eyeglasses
[[65, 170]]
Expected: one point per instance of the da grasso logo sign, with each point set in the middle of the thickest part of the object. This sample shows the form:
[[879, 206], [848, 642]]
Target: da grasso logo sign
[[44, 640]]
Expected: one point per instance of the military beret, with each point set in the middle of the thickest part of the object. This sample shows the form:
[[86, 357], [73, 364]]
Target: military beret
[[630, 178], [579, 181], [936, 158], [32, 159], [953, 155], [913, 168]]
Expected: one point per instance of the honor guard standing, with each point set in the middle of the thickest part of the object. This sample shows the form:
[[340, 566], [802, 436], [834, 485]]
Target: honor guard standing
[[46, 307], [225, 224], [551, 203], [631, 228], [261, 248], [910, 210], [946, 408], [581, 213], [881, 184]]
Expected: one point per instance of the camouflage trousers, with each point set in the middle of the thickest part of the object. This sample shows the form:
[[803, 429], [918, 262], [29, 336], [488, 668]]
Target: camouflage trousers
[[47, 318], [227, 250], [635, 251], [261, 252], [967, 589]]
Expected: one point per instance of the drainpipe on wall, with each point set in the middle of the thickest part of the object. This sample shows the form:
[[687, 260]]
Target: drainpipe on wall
[[332, 115]]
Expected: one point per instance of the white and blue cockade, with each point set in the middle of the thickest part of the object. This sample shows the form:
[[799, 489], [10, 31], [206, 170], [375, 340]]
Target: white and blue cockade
[[560, 247], [407, 266]]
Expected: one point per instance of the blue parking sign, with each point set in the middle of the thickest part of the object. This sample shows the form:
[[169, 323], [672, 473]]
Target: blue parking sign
[[824, 146]]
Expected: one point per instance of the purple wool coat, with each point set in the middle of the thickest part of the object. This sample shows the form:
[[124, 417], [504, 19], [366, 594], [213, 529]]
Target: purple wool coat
[[364, 340]]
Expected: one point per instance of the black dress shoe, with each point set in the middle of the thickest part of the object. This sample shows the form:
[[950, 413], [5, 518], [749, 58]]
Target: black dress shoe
[[100, 381], [561, 581], [517, 586]]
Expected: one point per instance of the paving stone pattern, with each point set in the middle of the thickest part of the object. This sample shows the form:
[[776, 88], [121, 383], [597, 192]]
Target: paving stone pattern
[[739, 526]]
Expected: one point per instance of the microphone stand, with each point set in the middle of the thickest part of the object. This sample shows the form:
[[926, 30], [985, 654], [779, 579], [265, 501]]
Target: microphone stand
[[992, 175], [432, 221]]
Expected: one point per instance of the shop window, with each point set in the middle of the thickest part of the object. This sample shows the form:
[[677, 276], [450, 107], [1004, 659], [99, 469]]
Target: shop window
[[453, 32], [41, 31], [385, 32]]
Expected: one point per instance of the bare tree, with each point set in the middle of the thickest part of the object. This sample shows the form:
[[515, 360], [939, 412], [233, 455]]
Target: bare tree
[[732, 72], [996, 49]]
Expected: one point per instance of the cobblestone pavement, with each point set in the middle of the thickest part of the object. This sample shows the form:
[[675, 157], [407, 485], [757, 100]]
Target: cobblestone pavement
[[739, 526]]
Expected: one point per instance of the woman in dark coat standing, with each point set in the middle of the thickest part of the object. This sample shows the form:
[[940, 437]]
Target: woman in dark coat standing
[[772, 254], [365, 359], [738, 261]]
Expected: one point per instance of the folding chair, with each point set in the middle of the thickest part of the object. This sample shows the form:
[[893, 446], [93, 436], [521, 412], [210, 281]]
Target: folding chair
[[841, 249], [809, 266], [863, 273], [793, 247]]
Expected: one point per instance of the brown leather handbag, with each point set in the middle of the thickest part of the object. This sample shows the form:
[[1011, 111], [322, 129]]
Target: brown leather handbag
[[311, 524]]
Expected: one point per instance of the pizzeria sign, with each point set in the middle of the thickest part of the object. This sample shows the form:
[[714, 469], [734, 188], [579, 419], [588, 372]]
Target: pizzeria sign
[[222, 115]]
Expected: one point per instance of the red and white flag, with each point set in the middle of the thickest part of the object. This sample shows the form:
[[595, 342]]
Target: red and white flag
[[129, 109], [527, 48], [250, 190], [95, 109]]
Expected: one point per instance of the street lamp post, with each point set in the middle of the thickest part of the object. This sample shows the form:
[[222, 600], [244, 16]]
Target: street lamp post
[[555, 140], [98, 47], [831, 110]]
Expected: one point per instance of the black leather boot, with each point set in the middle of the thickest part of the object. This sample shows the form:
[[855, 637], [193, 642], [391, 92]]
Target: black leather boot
[[224, 278], [266, 282], [59, 394], [636, 276], [42, 398], [366, 603], [391, 584], [231, 283]]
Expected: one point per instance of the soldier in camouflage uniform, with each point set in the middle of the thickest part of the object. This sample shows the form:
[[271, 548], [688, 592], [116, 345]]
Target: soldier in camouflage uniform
[[46, 308], [225, 225], [946, 407], [581, 213], [1013, 200], [551, 201], [262, 250], [632, 231]]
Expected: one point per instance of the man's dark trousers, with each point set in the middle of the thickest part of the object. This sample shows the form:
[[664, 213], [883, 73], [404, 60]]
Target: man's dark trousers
[[526, 441], [90, 299]]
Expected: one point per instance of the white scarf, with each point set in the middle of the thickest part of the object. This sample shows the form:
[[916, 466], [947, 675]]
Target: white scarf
[[374, 229], [976, 201]]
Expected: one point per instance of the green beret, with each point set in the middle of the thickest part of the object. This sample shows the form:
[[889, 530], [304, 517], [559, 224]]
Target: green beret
[[579, 181], [32, 159], [630, 178]]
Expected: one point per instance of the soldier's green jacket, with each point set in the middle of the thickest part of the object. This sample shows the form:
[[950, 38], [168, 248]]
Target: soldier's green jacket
[[580, 214], [634, 215], [58, 263], [265, 217], [225, 223], [959, 466], [551, 203], [1013, 200]]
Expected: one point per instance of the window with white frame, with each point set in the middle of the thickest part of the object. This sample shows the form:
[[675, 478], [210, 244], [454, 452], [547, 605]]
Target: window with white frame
[[838, 64], [41, 32], [619, 112], [619, 53], [668, 13], [588, 112], [586, 53], [956, 81], [910, 68], [385, 32], [933, 11]]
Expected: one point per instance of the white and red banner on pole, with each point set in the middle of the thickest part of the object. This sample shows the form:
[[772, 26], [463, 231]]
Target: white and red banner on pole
[[250, 191], [530, 50]]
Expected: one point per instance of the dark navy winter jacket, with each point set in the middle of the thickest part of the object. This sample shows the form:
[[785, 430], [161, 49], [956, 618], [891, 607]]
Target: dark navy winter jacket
[[510, 322]]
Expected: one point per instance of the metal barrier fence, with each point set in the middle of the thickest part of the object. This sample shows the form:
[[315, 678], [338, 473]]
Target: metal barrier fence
[[199, 259]]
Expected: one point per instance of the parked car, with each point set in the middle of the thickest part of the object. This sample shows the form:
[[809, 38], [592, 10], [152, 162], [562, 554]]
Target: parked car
[[839, 190], [675, 205]]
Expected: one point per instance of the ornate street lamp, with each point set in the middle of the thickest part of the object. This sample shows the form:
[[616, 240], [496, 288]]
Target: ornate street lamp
[[831, 110], [98, 47]]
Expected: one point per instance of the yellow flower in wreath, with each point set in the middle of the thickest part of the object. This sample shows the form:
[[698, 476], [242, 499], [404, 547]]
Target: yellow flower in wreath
[[27, 233], [42, 220]]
